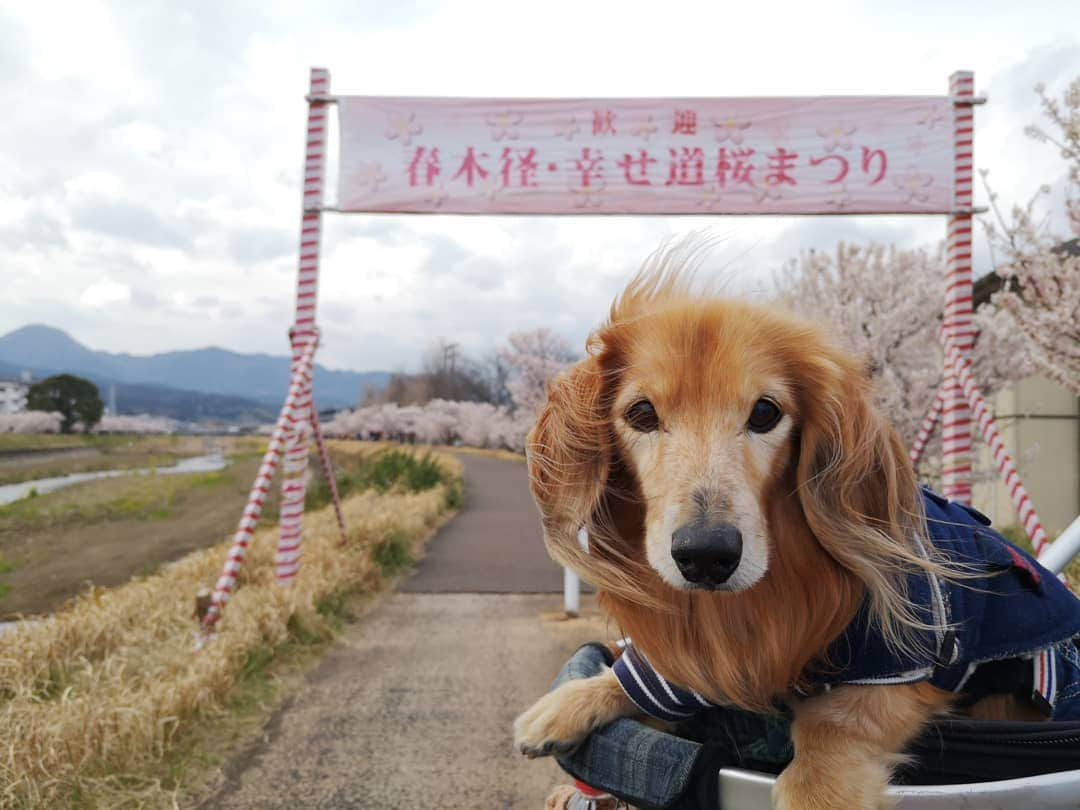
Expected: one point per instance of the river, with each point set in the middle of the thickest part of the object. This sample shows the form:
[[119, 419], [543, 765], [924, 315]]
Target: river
[[10, 493]]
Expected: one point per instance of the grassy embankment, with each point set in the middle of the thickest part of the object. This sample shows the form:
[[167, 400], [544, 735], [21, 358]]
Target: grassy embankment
[[105, 531], [101, 704]]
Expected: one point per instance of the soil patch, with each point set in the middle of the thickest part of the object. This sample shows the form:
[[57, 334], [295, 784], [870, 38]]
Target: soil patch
[[102, 533]]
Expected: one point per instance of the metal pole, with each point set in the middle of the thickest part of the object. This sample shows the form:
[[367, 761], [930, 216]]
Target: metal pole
[[1025, 510], [571, 593], [328, 472], [1061, 551], [299, 426], [926, 429], [958, 326], [226, 583], [571, 581]]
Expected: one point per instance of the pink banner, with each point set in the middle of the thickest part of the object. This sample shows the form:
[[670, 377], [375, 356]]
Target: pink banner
[[829, 155]]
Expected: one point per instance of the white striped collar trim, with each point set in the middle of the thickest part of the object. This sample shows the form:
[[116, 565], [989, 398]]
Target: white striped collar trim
[[903, 677], [645, 691], [1045, 675]]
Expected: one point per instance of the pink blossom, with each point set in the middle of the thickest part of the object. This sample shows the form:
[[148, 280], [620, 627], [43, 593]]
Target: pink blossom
[[914, 184], [533, 359], [885, 305], [368, 177], [730, 129], [504, 124], [645, 129], [837, 136], [31, 422], [588, 196], [141, 424], [1038, 305], [403, 127], [767, 190], [838, 198], [568, 129], [931, 117]]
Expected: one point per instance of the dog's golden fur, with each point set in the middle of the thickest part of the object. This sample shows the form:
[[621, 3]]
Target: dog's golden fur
[[841, 513]]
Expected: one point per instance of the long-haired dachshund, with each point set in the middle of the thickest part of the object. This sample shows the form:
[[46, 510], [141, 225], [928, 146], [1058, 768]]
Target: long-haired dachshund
[[756, 528]]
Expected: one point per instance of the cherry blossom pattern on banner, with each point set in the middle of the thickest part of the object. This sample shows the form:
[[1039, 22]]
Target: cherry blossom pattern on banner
[[648, 156]]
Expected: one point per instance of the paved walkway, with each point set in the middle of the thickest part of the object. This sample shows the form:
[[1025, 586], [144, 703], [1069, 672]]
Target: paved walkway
[[494, 545], [412, 710]]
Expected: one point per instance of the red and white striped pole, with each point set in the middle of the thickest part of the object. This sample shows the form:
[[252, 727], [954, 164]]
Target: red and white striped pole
[[328, 472], [257, 497], [1024, 508], [303, 333], [926, 429], [958, 326]]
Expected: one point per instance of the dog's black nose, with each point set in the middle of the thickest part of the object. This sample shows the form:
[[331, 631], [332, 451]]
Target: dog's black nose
[[707, 555]]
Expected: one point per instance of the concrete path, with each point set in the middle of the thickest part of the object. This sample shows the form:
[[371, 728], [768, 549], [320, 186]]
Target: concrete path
[[494, 545], [413, 709]]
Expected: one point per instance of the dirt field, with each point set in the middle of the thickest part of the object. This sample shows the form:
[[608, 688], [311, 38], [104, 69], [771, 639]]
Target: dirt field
[[104, 532]]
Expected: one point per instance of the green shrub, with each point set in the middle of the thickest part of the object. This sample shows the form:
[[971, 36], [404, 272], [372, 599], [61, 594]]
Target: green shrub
[[382, 472], [302, 631], [415, 474], [455, 498], [392, 554]]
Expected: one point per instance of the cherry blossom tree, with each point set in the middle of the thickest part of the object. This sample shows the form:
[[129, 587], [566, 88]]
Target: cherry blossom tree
[[1038, 303], [523, 367], [885, 304], [31, 422], [533, 358], [475, 424], [140, 423]]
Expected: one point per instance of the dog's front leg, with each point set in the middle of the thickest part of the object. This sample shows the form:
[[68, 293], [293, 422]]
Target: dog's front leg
[[847, 743], [559, 721]]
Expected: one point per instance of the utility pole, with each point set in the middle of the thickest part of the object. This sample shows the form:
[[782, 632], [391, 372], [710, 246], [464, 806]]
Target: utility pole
[[450, 352]]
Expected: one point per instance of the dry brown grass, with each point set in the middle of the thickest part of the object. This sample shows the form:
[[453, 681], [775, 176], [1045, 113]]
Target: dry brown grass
[[92, 697]]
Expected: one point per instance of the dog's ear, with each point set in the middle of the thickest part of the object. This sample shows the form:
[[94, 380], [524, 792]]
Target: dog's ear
[[857, 488], [573, 469], [567, 450]]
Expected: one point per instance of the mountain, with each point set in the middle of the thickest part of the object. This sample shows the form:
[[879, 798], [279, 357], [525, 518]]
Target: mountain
[[160, 400], [258, 378]]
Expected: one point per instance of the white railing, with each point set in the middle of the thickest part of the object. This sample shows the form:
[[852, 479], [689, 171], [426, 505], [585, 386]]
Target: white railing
[[572, 582], [1059, 553]]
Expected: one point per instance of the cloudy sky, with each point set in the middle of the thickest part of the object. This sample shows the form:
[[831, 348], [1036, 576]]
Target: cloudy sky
[[150, 154]]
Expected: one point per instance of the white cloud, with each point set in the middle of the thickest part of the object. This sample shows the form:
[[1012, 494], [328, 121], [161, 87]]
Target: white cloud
[[104, 294]]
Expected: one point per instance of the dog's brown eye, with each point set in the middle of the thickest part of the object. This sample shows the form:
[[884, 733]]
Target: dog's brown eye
[[641, 416], [765, 416]]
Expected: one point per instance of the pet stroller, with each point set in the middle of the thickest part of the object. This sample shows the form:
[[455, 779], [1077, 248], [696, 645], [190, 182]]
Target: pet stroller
[[728, 760]]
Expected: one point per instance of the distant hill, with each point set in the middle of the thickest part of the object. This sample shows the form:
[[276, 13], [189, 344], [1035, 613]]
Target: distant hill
[[160, 400], [238, 382]]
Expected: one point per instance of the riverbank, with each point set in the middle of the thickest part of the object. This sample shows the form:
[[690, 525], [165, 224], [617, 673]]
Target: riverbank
[[103, 532], [9, 493], [93, 699], [24, 457]]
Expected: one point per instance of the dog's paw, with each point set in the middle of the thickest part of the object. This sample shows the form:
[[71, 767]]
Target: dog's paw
[[543, 730], [859, 788]]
